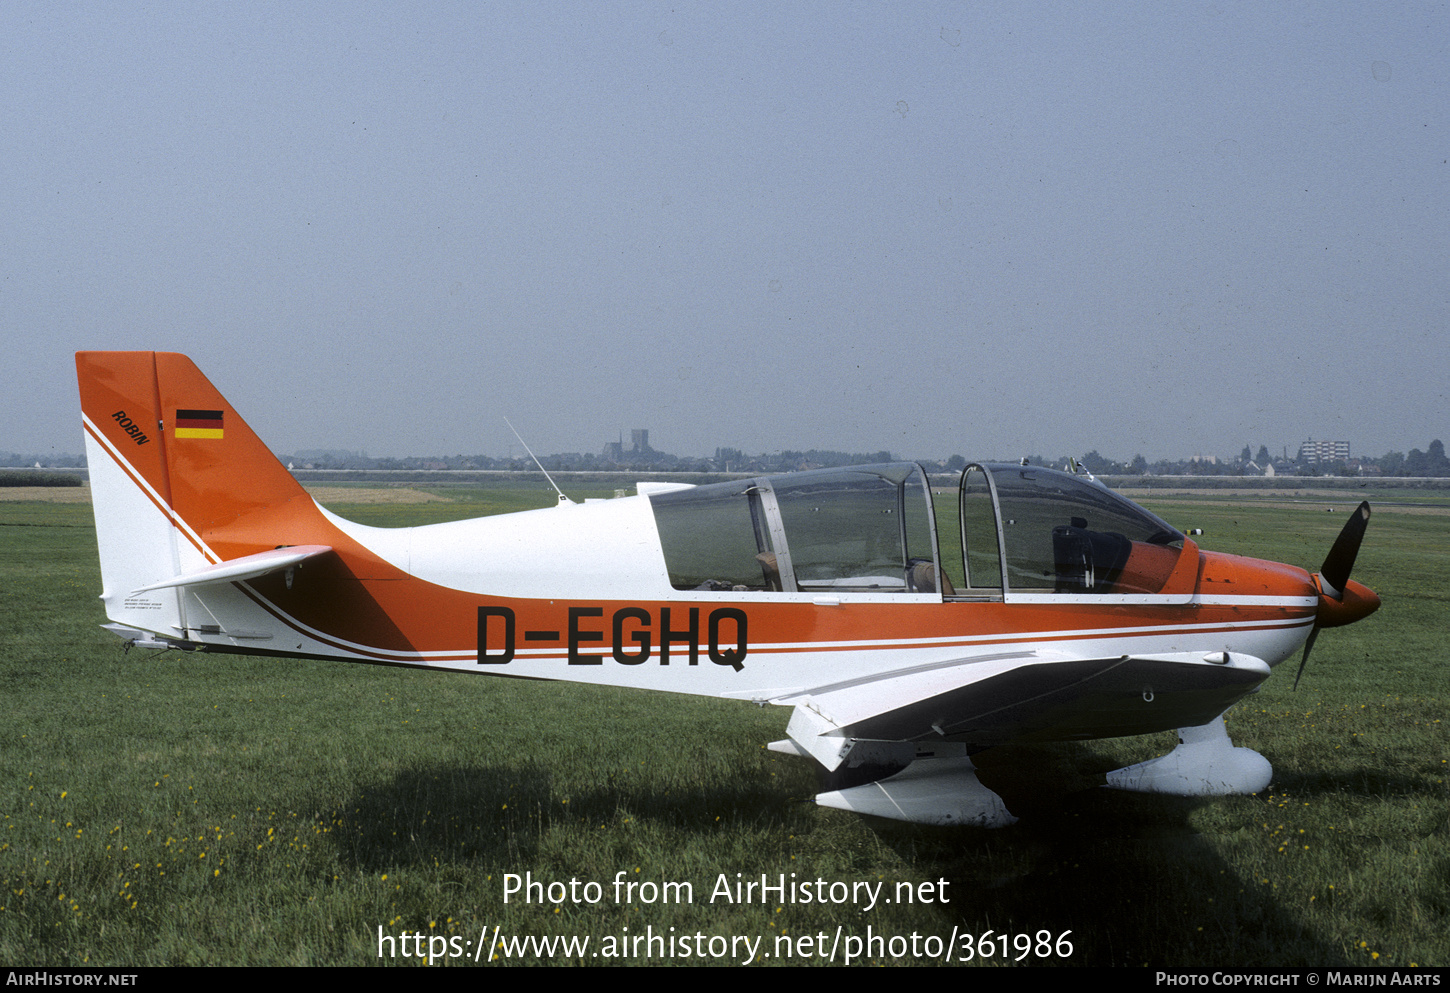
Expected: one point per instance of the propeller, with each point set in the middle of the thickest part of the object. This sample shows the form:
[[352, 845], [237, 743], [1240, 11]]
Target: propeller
[[1341, 601]]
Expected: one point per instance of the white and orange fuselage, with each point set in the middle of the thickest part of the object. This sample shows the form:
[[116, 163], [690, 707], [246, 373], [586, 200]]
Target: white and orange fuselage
[[208, 542]]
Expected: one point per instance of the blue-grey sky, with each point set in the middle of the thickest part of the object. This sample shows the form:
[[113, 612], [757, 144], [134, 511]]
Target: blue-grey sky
[[934, 228]]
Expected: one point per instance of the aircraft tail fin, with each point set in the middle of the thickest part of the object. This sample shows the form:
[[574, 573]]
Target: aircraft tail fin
[[179, 483]]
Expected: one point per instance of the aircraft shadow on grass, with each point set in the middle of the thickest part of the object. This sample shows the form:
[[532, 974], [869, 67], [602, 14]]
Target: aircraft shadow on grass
[[1127, 874]]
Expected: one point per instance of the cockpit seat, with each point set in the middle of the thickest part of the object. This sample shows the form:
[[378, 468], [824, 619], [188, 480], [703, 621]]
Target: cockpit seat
[[1088, 561], [921, 577]]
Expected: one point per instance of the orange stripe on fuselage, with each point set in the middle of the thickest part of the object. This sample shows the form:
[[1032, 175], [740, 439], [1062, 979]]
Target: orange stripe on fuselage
[[423, 620]]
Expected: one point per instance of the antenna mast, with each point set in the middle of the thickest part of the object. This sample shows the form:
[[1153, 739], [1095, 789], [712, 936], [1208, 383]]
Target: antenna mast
[[562, 498]]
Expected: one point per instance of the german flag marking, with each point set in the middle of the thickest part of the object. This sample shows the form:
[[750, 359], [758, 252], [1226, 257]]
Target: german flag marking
[[198, 424]]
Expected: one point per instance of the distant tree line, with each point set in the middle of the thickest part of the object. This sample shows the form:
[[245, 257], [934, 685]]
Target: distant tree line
[[1417, 463], [1432, 462], [50, 461], [37, 477], [725, 460]]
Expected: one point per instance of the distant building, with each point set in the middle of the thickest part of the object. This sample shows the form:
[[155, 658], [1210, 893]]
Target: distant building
[[1317, 452], [614, 451]]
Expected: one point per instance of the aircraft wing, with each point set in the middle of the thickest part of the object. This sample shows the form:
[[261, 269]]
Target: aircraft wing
[[992, 699]]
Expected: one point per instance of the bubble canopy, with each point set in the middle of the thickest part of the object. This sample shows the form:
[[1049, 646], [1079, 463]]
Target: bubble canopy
[[877, 529]]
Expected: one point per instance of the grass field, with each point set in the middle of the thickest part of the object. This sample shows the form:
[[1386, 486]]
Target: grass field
[[194, 809]]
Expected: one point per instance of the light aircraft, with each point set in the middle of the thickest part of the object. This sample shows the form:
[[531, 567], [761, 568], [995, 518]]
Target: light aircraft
[[1042, 606]]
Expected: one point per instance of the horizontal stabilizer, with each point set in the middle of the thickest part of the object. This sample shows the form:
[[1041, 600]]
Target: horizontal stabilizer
[[244, 568], [929, 791]]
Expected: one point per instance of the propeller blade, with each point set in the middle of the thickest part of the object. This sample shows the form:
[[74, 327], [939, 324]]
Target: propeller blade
[[1340, 560], [1334, 580], [1305, 660]]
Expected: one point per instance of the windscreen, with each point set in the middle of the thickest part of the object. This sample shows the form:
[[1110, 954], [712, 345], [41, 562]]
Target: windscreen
[[1065, 534]]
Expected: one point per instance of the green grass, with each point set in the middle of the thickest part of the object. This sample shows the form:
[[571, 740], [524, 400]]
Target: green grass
[[209, 809]]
